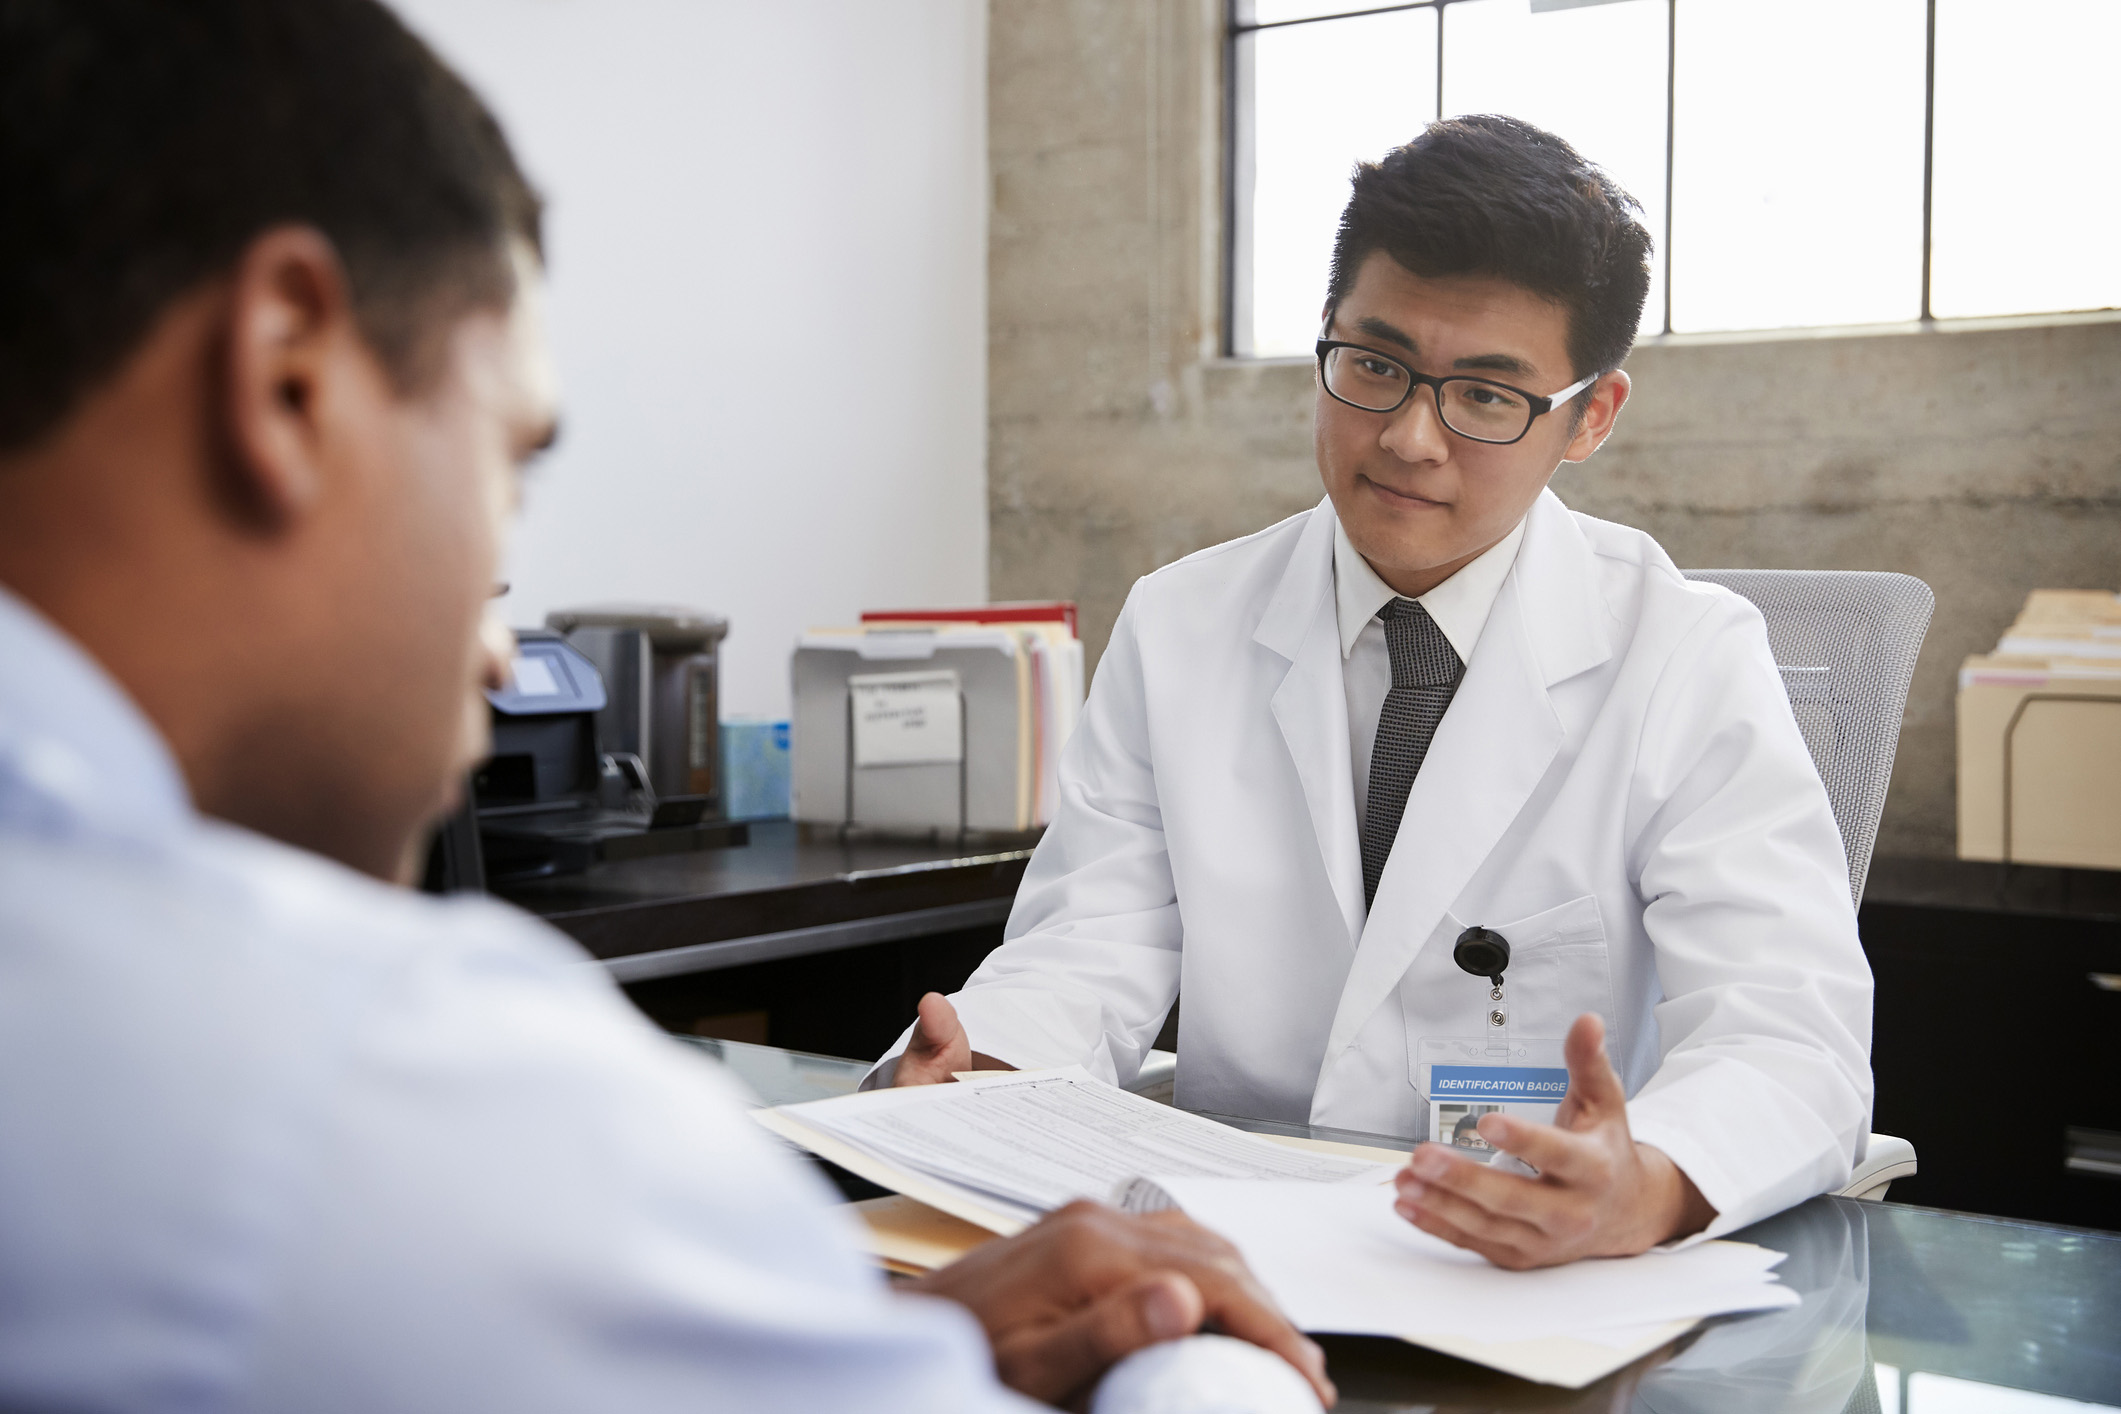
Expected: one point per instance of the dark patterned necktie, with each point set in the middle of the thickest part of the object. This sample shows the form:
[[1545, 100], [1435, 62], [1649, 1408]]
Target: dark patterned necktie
[[1425, 674]]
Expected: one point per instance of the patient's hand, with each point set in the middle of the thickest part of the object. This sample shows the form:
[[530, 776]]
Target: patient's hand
[[1064, 1300], [1598, 1193], [939, 1049]]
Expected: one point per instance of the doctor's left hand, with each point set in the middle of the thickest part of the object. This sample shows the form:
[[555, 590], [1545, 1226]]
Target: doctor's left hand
[[938, 1049], [1598, 1192]]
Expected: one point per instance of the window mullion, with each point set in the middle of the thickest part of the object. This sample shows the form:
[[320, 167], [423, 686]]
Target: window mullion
[[1440, 27], [1929, 152], [1671, 104]]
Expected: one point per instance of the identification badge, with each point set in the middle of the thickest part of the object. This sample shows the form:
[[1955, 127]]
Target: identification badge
[[1465, 1077]]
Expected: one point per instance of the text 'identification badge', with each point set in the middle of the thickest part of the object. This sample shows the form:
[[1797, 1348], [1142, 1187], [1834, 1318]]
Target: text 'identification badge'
[[907, 719], [1465, 1077]]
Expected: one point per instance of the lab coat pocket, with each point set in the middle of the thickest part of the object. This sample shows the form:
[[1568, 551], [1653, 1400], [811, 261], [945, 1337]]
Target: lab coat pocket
[[1558, 968]]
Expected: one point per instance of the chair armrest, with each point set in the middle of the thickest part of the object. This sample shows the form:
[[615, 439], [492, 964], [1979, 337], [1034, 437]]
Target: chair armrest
[[1159, 1073], [1887, 1159]]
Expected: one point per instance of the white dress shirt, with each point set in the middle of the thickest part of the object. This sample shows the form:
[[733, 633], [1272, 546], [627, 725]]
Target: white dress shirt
[[278, 1137], [1459, 606]]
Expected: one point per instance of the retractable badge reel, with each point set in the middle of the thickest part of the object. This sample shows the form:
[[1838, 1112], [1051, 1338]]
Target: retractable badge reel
[[1495, 1070]]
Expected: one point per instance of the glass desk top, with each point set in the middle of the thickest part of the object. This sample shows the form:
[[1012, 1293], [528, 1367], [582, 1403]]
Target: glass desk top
[[1906, 1311]]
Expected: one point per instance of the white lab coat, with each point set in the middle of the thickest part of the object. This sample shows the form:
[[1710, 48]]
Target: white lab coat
[[1619, 788]]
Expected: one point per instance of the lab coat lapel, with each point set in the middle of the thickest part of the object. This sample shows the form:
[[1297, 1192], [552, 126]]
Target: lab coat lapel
[[1310, 707], [1489, 754]]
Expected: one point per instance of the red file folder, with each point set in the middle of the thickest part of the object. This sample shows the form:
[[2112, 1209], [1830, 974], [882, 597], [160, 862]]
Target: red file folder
[[1024, 611]]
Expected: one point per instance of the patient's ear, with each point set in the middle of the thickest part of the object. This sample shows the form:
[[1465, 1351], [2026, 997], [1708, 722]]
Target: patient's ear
[[292, 360]]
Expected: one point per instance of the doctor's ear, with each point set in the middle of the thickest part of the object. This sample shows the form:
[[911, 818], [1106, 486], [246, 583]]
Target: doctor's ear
[[294, 368], [1600, 412]]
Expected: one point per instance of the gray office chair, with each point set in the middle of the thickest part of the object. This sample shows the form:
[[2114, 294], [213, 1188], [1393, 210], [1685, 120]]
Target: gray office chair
[[1845, 642]]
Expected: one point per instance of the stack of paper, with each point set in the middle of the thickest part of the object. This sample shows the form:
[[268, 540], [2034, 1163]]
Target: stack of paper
[[2040, 736], [1053, 656], [1340, 1260], [1004, 1147], [2059, 633], [992, 765], [1317, 1226], [2066, 623]]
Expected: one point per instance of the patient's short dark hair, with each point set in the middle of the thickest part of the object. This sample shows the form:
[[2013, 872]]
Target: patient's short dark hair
[[145, 143], [1496, 196]]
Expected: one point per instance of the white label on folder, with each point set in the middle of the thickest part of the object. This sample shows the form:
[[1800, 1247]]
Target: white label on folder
[[907, 719]]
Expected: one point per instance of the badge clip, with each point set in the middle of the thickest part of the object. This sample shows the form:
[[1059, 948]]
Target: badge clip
[[1483, 952]]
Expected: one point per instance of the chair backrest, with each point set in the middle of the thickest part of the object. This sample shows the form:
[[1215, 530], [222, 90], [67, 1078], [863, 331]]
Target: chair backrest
[[1846, 642]]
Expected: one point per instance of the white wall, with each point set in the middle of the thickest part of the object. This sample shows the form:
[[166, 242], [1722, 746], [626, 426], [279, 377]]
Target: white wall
[[744, 195]]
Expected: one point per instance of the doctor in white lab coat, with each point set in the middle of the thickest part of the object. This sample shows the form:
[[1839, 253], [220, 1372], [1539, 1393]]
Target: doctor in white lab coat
[[1617, 786]]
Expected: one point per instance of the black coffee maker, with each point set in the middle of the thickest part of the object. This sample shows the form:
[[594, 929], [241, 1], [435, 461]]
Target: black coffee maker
[[661, 665]]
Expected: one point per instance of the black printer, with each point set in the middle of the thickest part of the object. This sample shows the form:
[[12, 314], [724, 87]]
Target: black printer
[[548, 800]]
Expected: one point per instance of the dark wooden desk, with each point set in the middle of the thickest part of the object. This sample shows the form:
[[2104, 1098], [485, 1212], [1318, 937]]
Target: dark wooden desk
[[811, 942], [1965, 954]]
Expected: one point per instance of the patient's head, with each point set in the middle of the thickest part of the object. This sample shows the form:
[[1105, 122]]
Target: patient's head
[[270, 363]]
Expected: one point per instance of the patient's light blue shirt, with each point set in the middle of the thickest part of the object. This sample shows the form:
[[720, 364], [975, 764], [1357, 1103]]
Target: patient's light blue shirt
[[276, 1137]]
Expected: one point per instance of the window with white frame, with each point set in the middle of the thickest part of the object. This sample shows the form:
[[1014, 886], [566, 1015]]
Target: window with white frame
[[1799, 163]]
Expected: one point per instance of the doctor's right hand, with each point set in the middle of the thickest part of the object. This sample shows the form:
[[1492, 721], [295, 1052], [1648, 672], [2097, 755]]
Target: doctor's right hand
[[938, 1049], [1597, 1193]]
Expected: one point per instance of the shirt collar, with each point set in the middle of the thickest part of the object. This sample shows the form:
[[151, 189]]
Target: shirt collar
[[1459, 605], [70, 737]]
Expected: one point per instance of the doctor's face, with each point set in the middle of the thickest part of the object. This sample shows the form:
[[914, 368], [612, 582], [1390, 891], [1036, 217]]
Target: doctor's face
[[1418, 500]]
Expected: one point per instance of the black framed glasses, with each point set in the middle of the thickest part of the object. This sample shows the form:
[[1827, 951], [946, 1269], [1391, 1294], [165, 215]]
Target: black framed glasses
[[1476, 408]]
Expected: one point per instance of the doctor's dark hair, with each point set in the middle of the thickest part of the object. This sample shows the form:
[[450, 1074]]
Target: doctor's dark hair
[[1495, 196], [145, 143]]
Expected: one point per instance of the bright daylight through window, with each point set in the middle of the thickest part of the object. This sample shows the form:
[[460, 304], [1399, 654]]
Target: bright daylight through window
[[1801, 163]]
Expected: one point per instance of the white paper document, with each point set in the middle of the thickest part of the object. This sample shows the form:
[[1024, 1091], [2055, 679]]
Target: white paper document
[[1001, 1148], [1027, 1142], [907, 719], [1339, 1259]]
